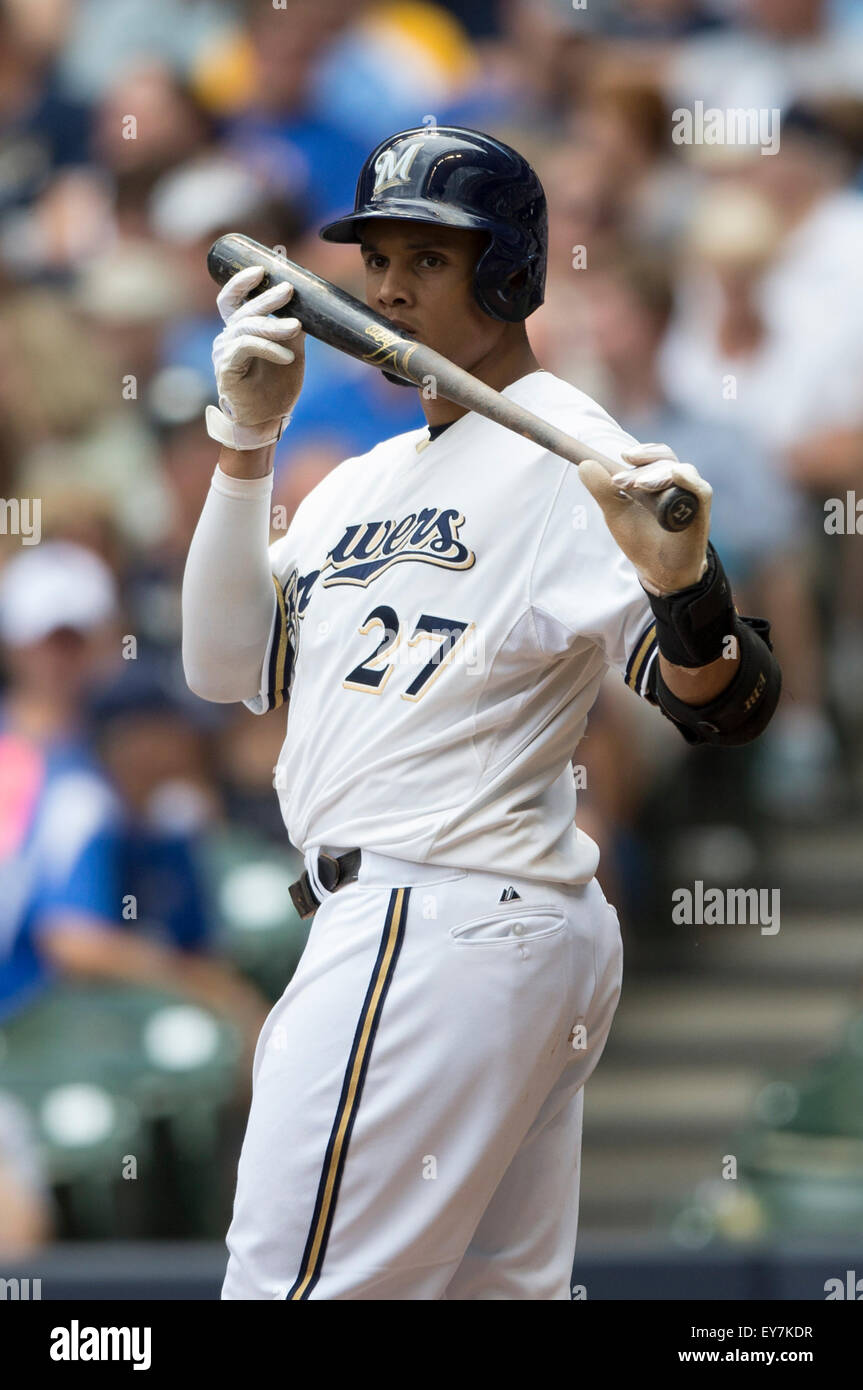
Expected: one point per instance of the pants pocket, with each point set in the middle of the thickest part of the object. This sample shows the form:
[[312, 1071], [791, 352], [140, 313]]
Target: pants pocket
[[517, 924]]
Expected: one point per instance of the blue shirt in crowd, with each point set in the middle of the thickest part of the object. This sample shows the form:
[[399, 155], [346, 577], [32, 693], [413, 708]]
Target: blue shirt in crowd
[[59, 844]]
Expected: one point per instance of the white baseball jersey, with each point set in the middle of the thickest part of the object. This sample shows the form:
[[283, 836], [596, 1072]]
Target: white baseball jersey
[[443, 620]]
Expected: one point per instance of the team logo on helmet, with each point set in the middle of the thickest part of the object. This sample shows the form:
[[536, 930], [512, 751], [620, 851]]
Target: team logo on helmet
[[393, 166]]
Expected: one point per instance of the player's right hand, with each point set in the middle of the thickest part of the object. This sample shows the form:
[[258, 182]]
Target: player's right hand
[[259, 376], [665, 561]]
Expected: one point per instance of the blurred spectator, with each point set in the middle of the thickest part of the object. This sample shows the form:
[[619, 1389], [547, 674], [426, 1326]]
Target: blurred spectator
[[157, 760], [768, 325], [767, 334], [397, 66], [147, 122], [107, 37], [778, 52], [813, 290], [756, 520], [248, 751], [585, 206], [658, 21], [755, 513], [26, 1206], [586, 231], [54, 383], [126, 297], [624, 118], [42, 129], [153, 573], [70, 408], [539, 67], [60, 841], [273, 128]]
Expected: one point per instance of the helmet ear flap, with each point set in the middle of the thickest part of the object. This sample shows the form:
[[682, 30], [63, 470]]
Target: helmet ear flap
[[506, 292], [517, 282]]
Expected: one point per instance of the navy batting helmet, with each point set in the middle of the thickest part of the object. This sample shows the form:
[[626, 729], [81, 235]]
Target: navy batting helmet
[[454, 177]]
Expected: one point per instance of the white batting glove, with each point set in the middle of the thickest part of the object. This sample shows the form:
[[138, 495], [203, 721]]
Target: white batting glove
[[665, 560], [259, 377]]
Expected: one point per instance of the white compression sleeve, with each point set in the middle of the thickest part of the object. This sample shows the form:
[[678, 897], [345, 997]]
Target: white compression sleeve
[[228, 595]]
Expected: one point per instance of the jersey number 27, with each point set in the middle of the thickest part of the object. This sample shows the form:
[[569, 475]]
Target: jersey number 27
[[373, 673]]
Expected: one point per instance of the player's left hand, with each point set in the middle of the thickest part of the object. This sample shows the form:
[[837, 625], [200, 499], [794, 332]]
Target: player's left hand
[[665, 560], [259, 362]]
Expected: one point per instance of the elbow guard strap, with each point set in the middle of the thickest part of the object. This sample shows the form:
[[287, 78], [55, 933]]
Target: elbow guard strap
[[744, 709], [693, 624]]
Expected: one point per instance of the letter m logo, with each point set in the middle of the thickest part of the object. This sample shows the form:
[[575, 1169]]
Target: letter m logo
[[394, 166]]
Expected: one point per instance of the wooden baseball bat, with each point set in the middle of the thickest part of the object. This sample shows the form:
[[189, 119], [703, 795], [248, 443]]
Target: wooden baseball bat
[[344, 322]]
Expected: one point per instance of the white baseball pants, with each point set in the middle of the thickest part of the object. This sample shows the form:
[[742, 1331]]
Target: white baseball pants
[[415, 1126]]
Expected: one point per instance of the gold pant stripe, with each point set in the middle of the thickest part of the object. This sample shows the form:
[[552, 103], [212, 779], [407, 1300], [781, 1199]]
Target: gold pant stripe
[[348, 1103]]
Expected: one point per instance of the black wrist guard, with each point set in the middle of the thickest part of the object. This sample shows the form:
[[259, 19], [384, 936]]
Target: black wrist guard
[[744, 709], [692, 625]]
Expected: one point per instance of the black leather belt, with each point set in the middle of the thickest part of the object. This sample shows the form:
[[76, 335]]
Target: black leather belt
[[332, 872]]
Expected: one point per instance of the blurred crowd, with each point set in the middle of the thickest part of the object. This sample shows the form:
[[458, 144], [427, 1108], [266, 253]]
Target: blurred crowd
[[709, 295]]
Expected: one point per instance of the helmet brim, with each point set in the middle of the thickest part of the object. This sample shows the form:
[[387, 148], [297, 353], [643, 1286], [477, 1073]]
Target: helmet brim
[[345, 229]]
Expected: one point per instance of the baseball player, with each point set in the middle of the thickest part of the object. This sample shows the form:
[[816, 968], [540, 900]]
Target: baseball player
[[437, 620]]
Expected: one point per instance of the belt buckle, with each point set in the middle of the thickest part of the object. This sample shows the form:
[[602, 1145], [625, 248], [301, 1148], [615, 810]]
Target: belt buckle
[[331, 883]]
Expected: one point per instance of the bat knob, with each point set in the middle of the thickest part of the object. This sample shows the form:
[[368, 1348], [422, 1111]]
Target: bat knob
[[677, 509]]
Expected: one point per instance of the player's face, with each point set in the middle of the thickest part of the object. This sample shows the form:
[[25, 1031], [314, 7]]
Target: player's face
[[421, 277]]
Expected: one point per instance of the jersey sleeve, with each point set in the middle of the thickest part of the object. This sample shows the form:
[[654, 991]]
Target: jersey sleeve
[[583, 589], [291, 589], [278, 664]]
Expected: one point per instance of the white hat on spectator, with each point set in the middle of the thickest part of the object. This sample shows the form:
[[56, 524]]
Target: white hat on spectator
[[203, 196], [130, 284], [55, 585]]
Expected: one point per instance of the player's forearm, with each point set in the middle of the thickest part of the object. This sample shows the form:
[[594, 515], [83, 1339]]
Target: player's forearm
[[228, 593], [247, 463], [716, 675], [698, 685]]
